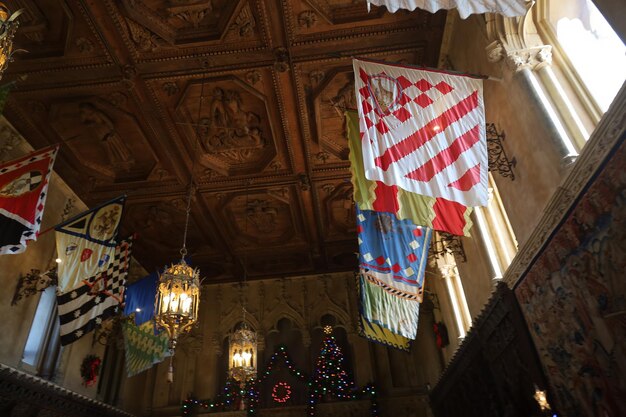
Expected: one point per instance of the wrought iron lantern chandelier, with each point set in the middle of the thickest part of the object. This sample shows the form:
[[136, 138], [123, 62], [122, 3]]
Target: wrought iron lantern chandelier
[[242, 356], [8, 27], [242, 353], [178, 294], [178, 297]]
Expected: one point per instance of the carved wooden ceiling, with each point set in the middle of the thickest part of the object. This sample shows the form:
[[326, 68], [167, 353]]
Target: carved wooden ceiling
[[119, 84]]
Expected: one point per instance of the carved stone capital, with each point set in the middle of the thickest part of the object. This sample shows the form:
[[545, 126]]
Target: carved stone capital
[[495, 51], [531, 58], [447, 266]]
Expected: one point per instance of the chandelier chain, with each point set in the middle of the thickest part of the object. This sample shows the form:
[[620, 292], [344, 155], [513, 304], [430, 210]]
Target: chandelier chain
[[183, 250], [245, 251]]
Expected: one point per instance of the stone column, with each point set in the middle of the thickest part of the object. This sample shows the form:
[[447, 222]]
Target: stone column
[[523, 63]]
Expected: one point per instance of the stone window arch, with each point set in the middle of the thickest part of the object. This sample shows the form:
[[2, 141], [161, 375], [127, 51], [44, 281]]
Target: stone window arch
[[531, 45], [589, 53]]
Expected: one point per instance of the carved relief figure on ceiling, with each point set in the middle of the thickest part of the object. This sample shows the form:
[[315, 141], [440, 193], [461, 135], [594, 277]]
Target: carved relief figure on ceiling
[[103, 128], [262, 215], [230, 130], [345, 99]]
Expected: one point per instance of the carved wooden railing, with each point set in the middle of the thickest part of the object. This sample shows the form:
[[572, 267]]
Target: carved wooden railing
[[25, 395], [495, 370]]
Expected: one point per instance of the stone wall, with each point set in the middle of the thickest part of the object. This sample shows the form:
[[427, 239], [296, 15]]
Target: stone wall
[[39, 255], [299, 307]]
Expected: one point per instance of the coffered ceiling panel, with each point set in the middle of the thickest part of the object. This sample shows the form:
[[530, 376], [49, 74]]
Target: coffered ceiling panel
[[160, 29], [232, 124], [249, 95], [58, 33]]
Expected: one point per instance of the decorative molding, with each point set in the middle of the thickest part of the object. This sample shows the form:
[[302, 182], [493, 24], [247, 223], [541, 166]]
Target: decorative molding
[[531, 58], [244, 24], [193, 13], [448, 243], [253, 77], [84, 45], [170, 88], [307, 19], [281, 61], [144, 40]]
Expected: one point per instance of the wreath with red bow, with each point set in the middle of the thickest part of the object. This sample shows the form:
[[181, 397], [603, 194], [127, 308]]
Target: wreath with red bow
[[89, 370]]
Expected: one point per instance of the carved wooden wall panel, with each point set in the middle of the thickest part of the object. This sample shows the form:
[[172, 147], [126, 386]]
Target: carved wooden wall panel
[[119, 82]]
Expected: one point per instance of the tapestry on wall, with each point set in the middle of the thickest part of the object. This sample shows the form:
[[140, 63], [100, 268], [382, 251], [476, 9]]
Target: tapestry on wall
[[574, 300]]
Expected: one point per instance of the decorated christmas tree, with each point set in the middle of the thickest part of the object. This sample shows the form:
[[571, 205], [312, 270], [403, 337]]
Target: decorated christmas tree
[[330, 379]]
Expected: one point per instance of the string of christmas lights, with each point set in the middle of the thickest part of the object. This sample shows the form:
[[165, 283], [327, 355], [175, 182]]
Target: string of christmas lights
[[330, 380], [281, 393]]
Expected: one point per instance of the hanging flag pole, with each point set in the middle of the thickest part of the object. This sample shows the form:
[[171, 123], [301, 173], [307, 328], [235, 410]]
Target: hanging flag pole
[[430, 69], [64, 222]]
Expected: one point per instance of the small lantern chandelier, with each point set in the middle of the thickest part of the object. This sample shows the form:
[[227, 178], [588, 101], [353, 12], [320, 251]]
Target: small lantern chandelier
[[8, 27], [242, 356], [178, 297], [178, 293], [242, 353]]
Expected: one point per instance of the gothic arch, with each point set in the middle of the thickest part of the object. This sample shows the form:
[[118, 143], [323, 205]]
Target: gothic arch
[[342, 316], [235, 316], [283, 310]]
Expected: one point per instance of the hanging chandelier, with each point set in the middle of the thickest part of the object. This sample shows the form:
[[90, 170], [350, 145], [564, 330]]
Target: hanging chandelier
[[8, 27], [242, 353], [242, 356], [178, 297], [178, 294]]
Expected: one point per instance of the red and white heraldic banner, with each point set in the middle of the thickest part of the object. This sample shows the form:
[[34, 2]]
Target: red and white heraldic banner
[[423, 130]]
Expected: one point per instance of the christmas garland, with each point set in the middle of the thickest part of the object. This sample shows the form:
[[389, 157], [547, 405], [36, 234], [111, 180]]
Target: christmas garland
[[89, 370], [249, 392]]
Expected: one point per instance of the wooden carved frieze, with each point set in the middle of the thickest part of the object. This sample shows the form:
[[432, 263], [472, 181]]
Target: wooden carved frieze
[[232, 125], [230, 130], [268, 217], [331, 98], [144, 39], [54, 29], [104, 135], [316, 20], [33, 22], [244, 25], [180, 22], [326, 93], [343, 11], [339, 209], [191, 12]]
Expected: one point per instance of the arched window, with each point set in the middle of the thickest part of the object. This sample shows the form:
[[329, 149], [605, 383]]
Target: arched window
[[588, 49]]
